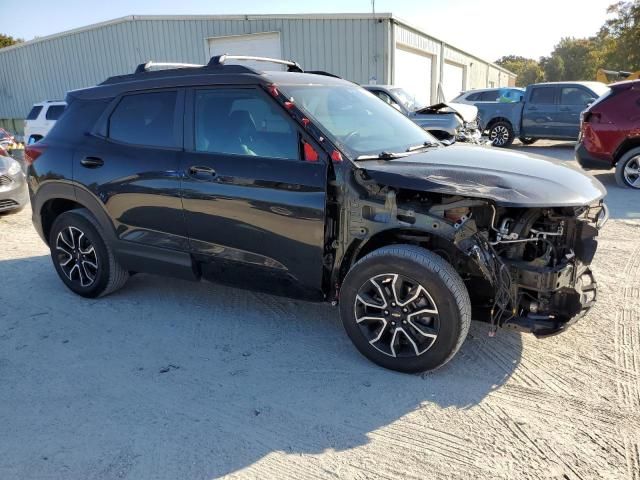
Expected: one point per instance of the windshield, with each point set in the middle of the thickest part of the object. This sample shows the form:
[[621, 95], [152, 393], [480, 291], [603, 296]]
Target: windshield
[[410, 101], [357, 120]]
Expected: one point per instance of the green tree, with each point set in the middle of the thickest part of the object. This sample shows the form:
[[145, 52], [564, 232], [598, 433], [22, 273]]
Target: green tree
[[8, 40], [527, 69], [553, 67], [619, 38], [578, 57]]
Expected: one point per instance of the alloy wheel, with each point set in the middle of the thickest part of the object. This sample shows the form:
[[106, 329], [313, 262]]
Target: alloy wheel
[[76, 256], [499, 135], [397, 315], [632, 172]]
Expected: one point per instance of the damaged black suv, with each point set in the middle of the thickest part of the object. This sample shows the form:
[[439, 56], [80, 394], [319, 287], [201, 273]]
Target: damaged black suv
[[308, 186]]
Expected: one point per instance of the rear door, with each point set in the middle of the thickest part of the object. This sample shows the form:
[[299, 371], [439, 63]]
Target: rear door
[[540, 113], [255, 209], [130, 164], [573, 101]]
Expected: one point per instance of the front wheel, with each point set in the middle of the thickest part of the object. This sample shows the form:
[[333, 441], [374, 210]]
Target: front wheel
[[527, 140], [405, 308], [628, 169], [501, 134]]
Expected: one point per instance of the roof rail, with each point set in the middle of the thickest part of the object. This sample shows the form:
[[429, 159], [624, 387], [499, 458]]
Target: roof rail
[[145, 67], [221, 59]]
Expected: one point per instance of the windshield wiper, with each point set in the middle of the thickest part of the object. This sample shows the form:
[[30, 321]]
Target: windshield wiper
[[383, 156], [421, 146]]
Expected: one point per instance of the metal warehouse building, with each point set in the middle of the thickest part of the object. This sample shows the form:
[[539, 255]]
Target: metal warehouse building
[[359, 47]]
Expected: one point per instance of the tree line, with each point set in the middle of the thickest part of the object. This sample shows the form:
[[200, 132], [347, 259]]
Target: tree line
[[616, 46]]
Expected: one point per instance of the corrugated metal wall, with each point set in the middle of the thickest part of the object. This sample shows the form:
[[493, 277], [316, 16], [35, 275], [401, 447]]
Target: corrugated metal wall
[[355, 49], [478, 73]]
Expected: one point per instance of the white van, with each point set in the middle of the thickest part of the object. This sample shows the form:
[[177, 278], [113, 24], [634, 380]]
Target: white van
[[41, 119]]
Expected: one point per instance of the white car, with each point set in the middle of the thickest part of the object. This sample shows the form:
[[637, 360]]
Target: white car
[[41, 119], [503, 95]]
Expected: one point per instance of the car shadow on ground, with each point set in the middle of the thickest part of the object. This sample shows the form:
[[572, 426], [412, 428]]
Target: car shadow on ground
[[173, 379]]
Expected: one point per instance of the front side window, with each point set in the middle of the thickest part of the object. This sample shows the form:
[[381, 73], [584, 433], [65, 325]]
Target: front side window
[[145, 119], [575, 96], [357, 120], [243, 122], [35, 111], [543, 96], [54, 112]]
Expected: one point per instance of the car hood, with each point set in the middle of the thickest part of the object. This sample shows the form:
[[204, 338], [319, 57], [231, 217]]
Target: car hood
[[5, 163], [468, 113], [506, 177]]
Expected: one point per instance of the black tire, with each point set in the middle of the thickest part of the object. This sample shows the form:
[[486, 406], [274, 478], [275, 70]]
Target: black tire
[[527, 140], [501, 134], [630, 160], [67, 245], [445, 289]]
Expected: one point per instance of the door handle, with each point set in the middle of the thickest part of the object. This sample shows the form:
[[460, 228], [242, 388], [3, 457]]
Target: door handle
[[565, 109], [532, 109], [92, 162], [203, 173]]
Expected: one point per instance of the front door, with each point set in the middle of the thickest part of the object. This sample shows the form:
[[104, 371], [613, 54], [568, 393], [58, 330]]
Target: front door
[[131, 166], [540, 113], [251, 202], [573, 101]]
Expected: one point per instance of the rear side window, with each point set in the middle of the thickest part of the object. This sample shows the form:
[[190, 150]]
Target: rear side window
[[491, 96], [145, 119], [243, 122], [35, 111], [474, 97], [544, 96], [54, 112], [575, 96]]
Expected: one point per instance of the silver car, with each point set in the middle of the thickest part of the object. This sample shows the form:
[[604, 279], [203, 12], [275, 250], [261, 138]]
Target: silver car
[[13, 185]]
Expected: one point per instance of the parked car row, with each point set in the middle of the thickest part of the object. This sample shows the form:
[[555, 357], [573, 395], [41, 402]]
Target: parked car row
[[448, 122], [308, 186]]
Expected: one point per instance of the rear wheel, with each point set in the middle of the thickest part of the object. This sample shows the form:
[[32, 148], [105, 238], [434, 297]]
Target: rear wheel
[[82, 258], [501, 134], [405, 308], [628, 169]]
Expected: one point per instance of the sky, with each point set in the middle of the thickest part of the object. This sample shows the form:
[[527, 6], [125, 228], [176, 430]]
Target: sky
[[488, 29]]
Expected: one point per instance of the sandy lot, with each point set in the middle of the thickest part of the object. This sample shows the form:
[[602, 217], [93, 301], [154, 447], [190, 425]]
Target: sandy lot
[[174, 380]]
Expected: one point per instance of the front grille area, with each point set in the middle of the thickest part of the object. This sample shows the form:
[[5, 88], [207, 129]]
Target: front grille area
[[7, 204], [4, 180]]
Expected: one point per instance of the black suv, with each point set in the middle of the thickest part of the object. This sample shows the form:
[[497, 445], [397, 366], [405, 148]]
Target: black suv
[[308, 186]]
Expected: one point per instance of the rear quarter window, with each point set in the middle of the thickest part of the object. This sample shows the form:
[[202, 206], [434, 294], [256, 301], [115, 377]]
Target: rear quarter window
[[54, 112], [35, 111]]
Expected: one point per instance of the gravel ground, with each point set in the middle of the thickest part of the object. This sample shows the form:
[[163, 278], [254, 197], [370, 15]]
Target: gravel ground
[[171, 379]]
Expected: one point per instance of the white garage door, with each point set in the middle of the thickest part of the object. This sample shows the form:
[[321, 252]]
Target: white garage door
[[452, 80], [413, 73], [254, 44]]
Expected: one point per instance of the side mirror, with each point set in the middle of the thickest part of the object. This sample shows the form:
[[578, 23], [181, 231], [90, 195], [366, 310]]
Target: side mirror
[[590, 101]]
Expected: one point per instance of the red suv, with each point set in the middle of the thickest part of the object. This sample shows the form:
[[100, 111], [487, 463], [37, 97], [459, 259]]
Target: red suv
[[610, 133]]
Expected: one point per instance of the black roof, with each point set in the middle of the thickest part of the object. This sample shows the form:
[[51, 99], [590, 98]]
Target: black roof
[[202, 75]]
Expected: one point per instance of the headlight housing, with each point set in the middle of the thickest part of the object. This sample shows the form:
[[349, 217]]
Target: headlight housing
[[14, 168]]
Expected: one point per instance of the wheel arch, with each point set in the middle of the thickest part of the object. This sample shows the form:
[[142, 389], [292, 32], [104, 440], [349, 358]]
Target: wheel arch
[[625, 146], [395, 235], [495, 120], [54, 199]]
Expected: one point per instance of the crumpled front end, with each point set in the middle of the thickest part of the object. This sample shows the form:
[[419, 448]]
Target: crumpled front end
[[537, 266]]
